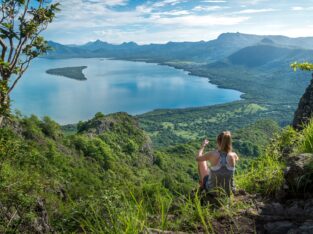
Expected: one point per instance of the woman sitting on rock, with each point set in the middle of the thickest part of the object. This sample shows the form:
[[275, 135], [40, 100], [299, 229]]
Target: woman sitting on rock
[[222, 165]]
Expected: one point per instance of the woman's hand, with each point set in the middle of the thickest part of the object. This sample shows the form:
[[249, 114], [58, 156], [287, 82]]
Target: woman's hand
[[205, 143]]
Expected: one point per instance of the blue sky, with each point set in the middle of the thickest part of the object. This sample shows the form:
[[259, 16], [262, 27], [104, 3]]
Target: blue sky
[[148, 21]]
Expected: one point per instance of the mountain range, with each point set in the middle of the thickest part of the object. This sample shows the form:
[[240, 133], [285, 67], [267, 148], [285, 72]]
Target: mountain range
[[235, 48]]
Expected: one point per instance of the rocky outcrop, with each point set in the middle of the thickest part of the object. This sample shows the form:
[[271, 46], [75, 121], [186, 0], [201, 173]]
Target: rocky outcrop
[[292, 216], [292, 211], [305, 108], [299, 175], [16, 222], [121, 124]]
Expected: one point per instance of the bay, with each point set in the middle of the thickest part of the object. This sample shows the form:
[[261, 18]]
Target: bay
[[111, 86]]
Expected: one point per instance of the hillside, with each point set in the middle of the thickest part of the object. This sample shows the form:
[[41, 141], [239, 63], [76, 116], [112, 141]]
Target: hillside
[[264, 54], [108, 178]]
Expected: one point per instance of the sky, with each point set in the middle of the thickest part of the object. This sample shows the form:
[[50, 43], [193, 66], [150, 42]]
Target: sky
[[151, 21]]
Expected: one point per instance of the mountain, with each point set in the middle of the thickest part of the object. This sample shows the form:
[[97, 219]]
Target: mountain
[[60, 51], [264, 54], [202, 51]]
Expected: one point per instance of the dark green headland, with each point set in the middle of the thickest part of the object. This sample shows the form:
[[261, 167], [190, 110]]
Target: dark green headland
[[69, 72]]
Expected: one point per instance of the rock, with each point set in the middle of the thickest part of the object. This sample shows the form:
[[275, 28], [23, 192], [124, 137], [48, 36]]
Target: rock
[[41, 223], [305, 108], [307, 227], [294, 210], [273, 208], [308, 208], [278, 227], [297, 167], [294, 231]]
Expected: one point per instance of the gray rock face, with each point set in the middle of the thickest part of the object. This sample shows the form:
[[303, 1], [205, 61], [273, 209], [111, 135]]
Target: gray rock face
[[278, 227], [297, 171], [305, 108]]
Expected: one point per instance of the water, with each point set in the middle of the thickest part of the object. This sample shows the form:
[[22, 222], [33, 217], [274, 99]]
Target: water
[[112, 86]]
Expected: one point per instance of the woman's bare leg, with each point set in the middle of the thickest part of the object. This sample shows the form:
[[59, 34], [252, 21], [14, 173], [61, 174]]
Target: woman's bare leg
[[202, 170]]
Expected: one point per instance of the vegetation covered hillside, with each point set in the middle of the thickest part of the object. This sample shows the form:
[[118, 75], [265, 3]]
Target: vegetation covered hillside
[[107, 178], [50, 181]]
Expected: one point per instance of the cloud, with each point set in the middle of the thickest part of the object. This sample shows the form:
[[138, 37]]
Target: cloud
[[252, 2], [297, 8], [300, 8], [106, 2], [160, 21], [207, 8], [253, 11], [201, 21], [214, 1], [175, 13], [167, 2]]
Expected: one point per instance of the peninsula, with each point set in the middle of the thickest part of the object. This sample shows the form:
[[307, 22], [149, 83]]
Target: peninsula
[[69, 72]]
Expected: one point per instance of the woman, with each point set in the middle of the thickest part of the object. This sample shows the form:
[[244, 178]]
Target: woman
[[222, 164]]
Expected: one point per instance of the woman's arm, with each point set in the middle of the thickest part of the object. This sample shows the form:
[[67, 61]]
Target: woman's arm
[[200, 156]]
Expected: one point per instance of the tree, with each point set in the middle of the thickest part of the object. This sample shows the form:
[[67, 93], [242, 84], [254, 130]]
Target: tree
[[21, 24]]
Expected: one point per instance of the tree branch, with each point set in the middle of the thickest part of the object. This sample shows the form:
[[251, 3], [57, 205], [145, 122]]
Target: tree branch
[[4, 48], [23, 69], [21, 41]]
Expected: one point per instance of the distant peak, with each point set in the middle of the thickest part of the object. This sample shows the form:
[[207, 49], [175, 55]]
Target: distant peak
[[130, 43], [231, 35], [267, 41], [99, 42]]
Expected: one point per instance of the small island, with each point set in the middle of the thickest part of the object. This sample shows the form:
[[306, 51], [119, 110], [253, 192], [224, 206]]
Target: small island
[[69, 72]]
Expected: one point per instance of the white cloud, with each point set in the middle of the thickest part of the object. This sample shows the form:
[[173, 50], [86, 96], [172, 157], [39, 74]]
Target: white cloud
[[300, 8], [169, 20], [207, 8], [252, 2], [174, 13], [253, 11], [167, 2], [297, 8], [105, 2], [201, 21], [146, 37], [214, 1]]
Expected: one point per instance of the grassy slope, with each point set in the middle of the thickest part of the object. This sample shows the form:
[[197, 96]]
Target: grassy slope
[[107, 179]]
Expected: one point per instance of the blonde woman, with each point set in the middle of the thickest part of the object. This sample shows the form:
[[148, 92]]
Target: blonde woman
[[222, 164]]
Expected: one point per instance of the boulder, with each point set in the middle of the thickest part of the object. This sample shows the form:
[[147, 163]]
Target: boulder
[[278, 227], [298, 172]]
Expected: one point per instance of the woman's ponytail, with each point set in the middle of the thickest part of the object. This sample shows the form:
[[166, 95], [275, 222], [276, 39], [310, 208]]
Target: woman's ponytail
[[224, 140]]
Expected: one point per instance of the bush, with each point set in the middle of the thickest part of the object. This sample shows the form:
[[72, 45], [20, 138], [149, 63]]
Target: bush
[[50, 128], [306, 140]]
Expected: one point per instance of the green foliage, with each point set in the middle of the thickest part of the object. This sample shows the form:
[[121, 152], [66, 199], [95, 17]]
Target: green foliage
[[306, 142], [306, 66], [93, 148], [22, 22], [265, 174]]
